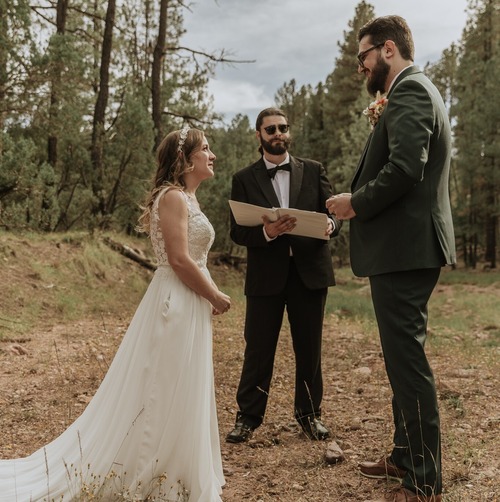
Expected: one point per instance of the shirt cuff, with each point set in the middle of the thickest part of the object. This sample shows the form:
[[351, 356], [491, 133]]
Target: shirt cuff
[[268, 239]]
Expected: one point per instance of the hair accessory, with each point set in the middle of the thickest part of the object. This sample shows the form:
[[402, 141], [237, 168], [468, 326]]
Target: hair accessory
[[182, 137]]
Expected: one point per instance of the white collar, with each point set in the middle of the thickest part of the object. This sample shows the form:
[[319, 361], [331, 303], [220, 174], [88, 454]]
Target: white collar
[[394, 79], [270, 165]]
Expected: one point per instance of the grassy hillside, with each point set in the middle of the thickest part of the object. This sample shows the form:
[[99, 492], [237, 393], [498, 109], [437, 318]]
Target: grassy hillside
[[52, 278], [66, 300]]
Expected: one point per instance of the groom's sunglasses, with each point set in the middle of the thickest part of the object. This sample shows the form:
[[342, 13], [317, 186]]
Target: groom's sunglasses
[[283, 128]]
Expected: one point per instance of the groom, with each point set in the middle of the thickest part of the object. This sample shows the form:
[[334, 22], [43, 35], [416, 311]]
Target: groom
[[401, 234]]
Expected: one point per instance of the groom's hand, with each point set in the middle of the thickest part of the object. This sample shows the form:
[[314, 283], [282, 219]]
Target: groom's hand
[[340, 206]]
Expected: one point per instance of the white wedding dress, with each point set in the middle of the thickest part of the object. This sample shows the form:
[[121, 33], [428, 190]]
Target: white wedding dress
[[150, 432]]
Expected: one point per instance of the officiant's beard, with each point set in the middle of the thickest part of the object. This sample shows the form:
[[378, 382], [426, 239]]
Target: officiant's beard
[[275, 147], [378, 77]]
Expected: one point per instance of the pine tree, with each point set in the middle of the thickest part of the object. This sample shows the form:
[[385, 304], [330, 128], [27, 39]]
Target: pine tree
[[82, 92], [478, 151], [343, 87], [296, 105], [16, 51], [235, 147]]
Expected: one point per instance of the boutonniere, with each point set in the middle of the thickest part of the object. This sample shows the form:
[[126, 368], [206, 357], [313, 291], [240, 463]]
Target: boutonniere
[[375, 109]]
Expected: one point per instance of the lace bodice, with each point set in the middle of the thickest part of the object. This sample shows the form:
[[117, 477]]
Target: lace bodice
[[200, 233]]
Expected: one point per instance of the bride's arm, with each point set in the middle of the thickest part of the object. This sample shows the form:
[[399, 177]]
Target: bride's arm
[[173, 214]]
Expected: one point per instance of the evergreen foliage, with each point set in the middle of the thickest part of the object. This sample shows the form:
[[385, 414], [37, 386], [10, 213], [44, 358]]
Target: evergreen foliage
[[235, 148], [477, 133], [328, 124], [80, 116], [67, 163]]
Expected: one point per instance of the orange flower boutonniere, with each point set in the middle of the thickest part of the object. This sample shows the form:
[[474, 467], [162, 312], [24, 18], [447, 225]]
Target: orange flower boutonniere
[[375, 109]]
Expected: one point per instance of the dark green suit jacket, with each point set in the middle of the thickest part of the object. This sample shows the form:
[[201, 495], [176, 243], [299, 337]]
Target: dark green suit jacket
[[400, 189]]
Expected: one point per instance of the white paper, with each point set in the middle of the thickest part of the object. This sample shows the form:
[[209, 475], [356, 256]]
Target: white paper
[[308, 224]]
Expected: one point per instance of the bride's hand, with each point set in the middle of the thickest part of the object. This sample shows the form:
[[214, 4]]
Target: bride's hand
[[221, 304]]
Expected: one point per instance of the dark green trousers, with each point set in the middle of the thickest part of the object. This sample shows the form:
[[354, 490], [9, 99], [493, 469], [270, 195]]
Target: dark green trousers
[[400, 301]]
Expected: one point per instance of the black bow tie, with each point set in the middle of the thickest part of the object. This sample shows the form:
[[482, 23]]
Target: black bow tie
[[272, 172]]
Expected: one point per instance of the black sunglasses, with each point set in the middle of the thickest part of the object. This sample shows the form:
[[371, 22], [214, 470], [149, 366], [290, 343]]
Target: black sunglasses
[[362, 55], [283, 128]]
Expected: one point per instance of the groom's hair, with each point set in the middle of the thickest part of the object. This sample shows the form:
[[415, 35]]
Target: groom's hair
[[393, 28]]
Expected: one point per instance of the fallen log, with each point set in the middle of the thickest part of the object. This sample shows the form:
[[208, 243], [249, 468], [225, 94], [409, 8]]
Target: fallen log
[[130, 253]]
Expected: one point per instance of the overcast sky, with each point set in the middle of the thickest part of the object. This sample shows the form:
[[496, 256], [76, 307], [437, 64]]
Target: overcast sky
[[299, 39]]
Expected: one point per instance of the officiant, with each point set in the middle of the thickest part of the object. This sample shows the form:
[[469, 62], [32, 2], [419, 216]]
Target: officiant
[[283, 271]]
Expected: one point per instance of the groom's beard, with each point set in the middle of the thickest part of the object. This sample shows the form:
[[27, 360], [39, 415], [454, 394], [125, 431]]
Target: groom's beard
[[378, 77]]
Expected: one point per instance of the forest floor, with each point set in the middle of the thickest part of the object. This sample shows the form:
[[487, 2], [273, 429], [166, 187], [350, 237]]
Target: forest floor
[[48, 377]]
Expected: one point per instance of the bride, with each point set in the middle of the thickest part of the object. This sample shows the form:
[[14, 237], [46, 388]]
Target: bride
[[150, 432]]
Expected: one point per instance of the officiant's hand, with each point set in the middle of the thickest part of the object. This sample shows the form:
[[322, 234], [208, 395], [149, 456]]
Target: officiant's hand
[[330, 228], [280, 226]]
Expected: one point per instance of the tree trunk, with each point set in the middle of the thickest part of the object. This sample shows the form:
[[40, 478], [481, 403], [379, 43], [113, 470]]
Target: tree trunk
[[61, 16], [158, 55], [133, 254], [3, 67], [491, 229], [100, 112]]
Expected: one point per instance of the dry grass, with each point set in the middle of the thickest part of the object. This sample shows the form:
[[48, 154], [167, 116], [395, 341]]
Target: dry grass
[[52, 360]]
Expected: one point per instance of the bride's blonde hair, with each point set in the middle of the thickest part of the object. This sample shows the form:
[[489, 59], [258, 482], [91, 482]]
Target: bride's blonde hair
[[173, 159]]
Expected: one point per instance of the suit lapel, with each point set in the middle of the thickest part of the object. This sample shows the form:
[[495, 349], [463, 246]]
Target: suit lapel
[[264, 181], [408, 71], [405, 73], [360, 162], [296, 175]]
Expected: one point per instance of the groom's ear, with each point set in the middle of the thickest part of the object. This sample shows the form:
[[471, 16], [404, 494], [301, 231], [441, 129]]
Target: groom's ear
[[390, 49]]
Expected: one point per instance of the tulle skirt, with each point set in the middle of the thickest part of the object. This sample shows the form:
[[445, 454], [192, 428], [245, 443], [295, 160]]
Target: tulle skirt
[[150, 432]]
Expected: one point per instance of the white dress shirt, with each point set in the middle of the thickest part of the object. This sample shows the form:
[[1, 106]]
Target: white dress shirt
[[281, 185], [281, 182]]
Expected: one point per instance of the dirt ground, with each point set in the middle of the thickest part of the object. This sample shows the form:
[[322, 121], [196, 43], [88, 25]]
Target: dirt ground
[[47, 379]]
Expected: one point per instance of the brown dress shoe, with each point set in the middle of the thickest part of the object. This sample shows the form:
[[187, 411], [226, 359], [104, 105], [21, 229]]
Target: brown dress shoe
[[402, 494], [383, 469]]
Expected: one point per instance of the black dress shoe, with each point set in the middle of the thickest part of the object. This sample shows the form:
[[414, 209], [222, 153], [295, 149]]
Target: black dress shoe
[[314, 428], [242, 432]]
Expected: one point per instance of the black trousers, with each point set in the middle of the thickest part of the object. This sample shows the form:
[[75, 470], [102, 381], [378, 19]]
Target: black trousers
[[264, 317], [400, 300]]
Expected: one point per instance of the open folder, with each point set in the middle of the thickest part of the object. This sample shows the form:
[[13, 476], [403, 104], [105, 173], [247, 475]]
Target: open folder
[[309, 223]]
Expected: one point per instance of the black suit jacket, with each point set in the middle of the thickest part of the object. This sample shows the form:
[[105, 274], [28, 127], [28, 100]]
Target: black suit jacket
[[400, 189], [268, 262]]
